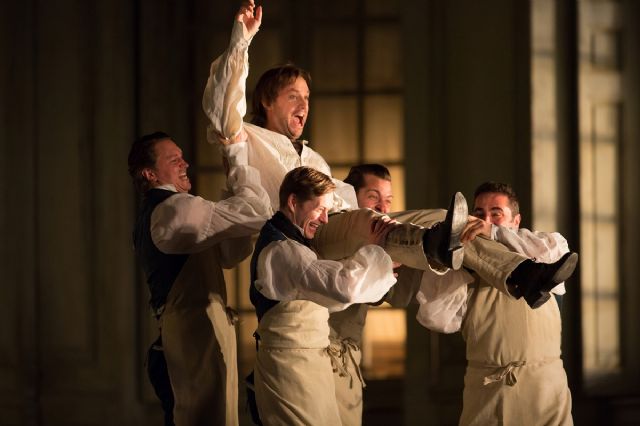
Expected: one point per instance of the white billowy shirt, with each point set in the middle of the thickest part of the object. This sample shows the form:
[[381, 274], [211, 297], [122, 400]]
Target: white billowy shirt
[[443, 298], [273, 154], [184, 223], [290, 271]]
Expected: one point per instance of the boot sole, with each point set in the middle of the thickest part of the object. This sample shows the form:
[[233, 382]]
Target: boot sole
[[540, 299], [460, 214], [565, 271], [457, 256]]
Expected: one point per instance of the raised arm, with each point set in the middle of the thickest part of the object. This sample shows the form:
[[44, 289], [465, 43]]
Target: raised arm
[[184, 223], [224, 99]]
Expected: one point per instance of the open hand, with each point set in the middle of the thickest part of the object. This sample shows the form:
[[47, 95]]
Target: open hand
[[250, 17]]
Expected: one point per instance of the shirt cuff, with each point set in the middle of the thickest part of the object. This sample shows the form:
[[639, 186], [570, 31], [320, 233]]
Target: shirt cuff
[[238, 36], [236, 153]]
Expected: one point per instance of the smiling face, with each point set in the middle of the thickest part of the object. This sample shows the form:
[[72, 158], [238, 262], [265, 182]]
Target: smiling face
[[169, 168], [287, 114], [310, 214], [376, 194], [494, 207]]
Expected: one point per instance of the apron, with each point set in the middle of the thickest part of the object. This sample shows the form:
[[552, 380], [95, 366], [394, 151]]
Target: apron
[[346, 336], [199, 340], [514, 374], [293, 374]]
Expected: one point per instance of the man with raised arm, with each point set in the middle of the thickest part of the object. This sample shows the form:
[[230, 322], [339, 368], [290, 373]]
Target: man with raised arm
[[183, 242], [423, 239]]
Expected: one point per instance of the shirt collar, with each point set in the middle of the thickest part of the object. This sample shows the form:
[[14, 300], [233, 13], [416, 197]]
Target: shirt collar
[[167, 187]]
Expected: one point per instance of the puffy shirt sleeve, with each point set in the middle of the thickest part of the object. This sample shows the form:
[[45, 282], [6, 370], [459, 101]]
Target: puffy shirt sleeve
[[290, 271], [185, 223], [443, 300], [224, 99], [543, 247]]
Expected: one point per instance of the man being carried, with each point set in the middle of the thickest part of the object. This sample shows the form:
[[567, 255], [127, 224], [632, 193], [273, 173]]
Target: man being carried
[[280, 108]]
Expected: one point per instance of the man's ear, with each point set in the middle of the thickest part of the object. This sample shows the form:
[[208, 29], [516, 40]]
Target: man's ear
[[149, 175], [516, 220], [291, 202]]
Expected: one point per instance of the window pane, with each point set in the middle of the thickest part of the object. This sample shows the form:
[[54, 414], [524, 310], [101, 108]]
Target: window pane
[[397, 186], [384, 129], [606, 49], [383, 348], [600, 244], [334, 67], [544, 144], [334, 133], [383, 57], [340, 172]]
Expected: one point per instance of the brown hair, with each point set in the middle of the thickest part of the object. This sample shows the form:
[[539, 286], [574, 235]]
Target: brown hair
[[500, 188], [357, 173], [143, 155], [305, 183], [270, 84]]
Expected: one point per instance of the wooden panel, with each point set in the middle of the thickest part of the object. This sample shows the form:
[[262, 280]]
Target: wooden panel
[[18, 354], [168, 98], [164, 79], [65, 188], [84, 109], [486, 90], [113, 276]]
